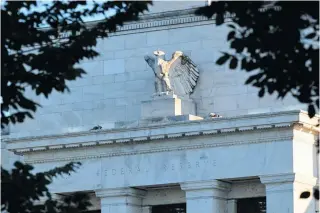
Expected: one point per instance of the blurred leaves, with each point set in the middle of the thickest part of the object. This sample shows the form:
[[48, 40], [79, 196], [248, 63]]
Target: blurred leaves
[[22, 191], [223, 59], [40, 59], [285, 57], [307, 194]]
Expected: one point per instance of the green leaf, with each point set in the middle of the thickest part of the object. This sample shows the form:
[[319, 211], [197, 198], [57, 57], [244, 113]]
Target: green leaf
[[250, 79], [223, 59], [316, 194], [233, 63], [231, 26], [231, 35], [261, 92], [305, 195], [311, 110], [219, 19], [311, 35]]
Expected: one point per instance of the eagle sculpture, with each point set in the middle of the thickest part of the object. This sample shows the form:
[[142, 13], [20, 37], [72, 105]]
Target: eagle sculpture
[[178, 75]]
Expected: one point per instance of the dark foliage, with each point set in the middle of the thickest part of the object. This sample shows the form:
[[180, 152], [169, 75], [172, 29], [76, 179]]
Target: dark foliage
[[37, 58], [277, 41], [306, 194], [21, 190]]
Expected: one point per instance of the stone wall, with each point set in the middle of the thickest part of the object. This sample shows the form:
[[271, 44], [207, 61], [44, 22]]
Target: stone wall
[[119, 79], [8, 158]]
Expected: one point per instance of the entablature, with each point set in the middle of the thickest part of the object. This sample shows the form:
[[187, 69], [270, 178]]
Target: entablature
[[164, 131]]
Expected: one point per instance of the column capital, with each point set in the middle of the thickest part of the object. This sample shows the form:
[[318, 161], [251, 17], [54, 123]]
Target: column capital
[[287, 178], [206, 196], [201, 185], [120, 192]]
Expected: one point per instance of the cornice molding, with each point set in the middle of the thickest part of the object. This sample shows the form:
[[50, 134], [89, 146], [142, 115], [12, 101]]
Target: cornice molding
[[161, 137], [212, 189], [142, 134], [157, 150], [120, 192], [277, 178], [201, 185], [231, 119], [148, 22], [287, 178]]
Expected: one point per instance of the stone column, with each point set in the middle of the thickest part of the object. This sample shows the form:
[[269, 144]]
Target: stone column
[[146, 209], [122, 200], [283, 193], [206, 196], [232, 206]]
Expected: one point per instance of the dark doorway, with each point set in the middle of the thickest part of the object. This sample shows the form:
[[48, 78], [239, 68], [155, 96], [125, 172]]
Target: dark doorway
[[170, 208], [251, 205]]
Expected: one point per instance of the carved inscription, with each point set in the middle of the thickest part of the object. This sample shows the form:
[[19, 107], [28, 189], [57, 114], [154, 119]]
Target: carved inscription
[[166, 167]]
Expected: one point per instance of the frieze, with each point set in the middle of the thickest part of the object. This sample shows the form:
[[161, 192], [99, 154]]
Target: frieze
[[166, 167]]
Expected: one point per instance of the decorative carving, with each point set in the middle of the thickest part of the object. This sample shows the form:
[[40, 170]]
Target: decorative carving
[[153, 137], [165, 167], [159, 149], [178, 75]]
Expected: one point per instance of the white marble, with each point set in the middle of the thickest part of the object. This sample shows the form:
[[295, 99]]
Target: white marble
[[209, 196], [193, 154], [121, 66], [167, 106], [125, 200], [258, 148], [113, 66], [283, 193]]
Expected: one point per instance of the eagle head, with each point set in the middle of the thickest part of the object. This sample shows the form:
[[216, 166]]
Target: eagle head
[[159, 53]]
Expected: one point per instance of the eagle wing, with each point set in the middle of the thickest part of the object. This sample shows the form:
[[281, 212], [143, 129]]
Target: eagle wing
[[151, 62], [183, 75]]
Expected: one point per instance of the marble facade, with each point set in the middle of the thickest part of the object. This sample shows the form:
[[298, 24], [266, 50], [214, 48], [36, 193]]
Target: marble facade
[[258, 148]]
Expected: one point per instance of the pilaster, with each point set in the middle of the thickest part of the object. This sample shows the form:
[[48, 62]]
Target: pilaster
[[146, 209], [232, 206], [122, 200], [206, 196], [283, 193]]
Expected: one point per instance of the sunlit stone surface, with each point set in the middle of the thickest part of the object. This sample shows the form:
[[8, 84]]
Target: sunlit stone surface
[[156, 154]]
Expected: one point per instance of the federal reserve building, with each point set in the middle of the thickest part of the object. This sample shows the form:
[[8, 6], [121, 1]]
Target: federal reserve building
[[159, 127]]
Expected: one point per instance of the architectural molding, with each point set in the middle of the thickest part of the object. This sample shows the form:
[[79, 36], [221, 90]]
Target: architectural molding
[[164, 131], [128, 197], [247, 188], [216, 121], [157, 150], [158, 137], [153, 21], [213, 189], [150, 22], [199, 185], [120, 192], [288, 178]]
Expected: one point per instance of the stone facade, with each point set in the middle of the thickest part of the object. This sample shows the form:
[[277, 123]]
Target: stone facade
[[258, 148], [119, 79], [208, 163]]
